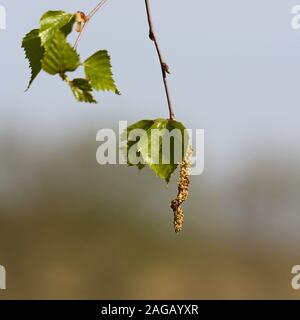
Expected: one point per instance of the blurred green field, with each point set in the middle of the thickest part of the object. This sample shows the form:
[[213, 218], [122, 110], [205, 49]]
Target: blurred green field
[[71, 229]]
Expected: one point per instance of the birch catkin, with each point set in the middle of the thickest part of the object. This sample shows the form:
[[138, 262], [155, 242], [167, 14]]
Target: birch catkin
[[183, 190]]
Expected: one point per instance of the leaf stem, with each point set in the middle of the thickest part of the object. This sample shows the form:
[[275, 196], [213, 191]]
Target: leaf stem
[[164, 66]]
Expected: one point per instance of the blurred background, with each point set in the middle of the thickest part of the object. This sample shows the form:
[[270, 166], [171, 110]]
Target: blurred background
[[72, 229]]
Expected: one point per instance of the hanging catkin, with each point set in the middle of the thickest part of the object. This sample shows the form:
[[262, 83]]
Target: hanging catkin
[[183, 190]]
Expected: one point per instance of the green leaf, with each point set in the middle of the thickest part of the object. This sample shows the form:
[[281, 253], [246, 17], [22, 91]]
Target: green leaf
[[144, 125], [162, 146], [82, 90], [98, 71], [54, 21], [60, 57], [68, 28], [34, 53]]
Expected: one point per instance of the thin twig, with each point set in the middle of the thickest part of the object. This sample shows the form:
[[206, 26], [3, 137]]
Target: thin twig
[[95, 10], [164, 66], [80, 35], [88, 18]]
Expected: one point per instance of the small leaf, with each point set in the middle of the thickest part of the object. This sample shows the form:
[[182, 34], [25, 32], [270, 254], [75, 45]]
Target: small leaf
[[34, 53], [162, 146], [164, 171], [82, 90], [98, 72], [54, 21], [144, 125], [60, 57]]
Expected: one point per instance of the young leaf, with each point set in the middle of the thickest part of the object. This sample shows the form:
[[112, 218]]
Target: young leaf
[[82, 90], [98, 71], [34, 53], [52, 22], [60, 57], [162, 146], [144, 125], [153, 141]]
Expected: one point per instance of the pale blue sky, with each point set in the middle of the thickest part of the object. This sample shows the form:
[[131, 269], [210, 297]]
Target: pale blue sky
[[235, 67]]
